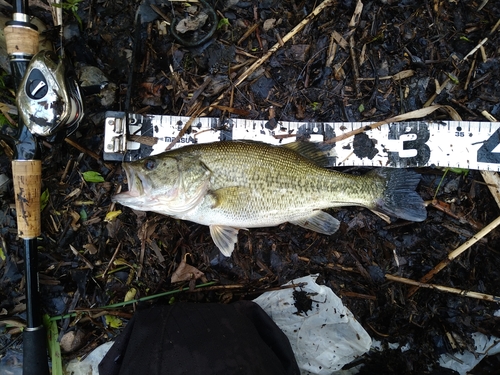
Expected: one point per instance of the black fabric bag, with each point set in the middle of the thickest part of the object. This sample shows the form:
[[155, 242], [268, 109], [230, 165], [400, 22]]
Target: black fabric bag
[[201, 339]]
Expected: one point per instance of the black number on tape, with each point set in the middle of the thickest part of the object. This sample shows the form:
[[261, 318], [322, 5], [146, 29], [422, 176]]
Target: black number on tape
[[414, 152], [488, 153]]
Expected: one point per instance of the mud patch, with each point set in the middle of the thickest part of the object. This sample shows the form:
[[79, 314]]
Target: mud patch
[[364, 146]]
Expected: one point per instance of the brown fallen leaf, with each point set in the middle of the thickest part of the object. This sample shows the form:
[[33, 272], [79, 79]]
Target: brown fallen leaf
[[191, 23], [186, 272]]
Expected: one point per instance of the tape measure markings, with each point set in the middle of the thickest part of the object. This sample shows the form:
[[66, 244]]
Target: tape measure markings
[[461, 144]]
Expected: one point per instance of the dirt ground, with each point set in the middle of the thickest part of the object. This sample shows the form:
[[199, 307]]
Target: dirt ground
[[307, 79]]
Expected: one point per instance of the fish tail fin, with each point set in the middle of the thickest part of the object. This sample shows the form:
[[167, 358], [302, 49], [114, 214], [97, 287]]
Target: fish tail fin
[[400, 198]]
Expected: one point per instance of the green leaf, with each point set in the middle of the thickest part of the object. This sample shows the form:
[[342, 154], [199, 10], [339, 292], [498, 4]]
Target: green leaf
[[83, 215], [361, 108], [453, 78], [315, 106], [92, 176], [222, 22], [113, 321], [44, 199], [462, 171]]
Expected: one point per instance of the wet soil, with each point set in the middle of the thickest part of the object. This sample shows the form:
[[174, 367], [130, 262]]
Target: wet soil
[[303, 81]]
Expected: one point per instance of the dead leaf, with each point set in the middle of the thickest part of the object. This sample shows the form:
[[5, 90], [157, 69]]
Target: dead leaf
[[191, 23], [269, 24], [75, 193], [186, 272], [112, 215], [340, 40], [338, 72], [403, 74], [90, 248], [75, 217]]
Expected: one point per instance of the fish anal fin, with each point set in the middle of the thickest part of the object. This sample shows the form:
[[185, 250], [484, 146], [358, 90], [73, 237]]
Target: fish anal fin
[[383, 216], [224, 238], [318, 221]]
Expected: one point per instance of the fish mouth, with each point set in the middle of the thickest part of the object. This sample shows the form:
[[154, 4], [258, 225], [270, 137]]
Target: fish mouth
[[136, 186]]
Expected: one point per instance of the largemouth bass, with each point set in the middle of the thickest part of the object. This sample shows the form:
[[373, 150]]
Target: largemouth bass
[[232, 185]]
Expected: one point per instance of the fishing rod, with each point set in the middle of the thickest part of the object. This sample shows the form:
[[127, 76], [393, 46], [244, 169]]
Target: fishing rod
[[22, 44], [48, 100]]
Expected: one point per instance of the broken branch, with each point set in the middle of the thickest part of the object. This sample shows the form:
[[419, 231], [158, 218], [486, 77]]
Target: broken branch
[[285, 39], [419, 113], [454, 254], [465, 293]]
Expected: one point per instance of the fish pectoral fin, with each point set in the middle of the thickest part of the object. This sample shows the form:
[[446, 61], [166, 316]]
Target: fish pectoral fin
[[231, 196], [224, 238], [320, 222]]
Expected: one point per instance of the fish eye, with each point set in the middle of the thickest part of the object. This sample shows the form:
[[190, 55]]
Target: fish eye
[[150, 164]]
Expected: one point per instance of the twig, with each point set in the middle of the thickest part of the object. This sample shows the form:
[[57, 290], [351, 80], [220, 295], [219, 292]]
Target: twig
[[285, 39], [482, 5], [489, 116], [455, 253], [281, 42], [353, 24], [89, 265], [419, 113], [332, 266], [160, 13], [111, 260], [465, 293], [495, 28], [5, 109], [355, 68], [193, 117], [92, 154], [198, 92], [358, 295], [332, 50], [247, 33], [492, 179], [475, 48], [439, 88]]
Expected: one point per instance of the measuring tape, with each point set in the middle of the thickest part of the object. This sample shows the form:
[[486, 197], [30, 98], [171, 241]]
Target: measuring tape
[[457, 144]]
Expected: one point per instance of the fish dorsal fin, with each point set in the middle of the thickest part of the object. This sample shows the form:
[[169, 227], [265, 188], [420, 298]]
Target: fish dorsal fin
[[224, 238], [310, 150]]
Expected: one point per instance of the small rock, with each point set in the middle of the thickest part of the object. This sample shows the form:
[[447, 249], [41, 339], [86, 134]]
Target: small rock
[[72, 341]]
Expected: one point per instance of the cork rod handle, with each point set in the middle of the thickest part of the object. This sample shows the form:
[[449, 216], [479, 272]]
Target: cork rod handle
[[27, 176], [21, 40]]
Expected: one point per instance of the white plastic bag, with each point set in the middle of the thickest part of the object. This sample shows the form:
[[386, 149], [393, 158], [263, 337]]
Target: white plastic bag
[[88, 366], [465, 361], [324, 338]]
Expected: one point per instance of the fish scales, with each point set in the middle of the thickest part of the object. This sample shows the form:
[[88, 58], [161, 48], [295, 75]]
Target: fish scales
[[241, 184], [280, 185]]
